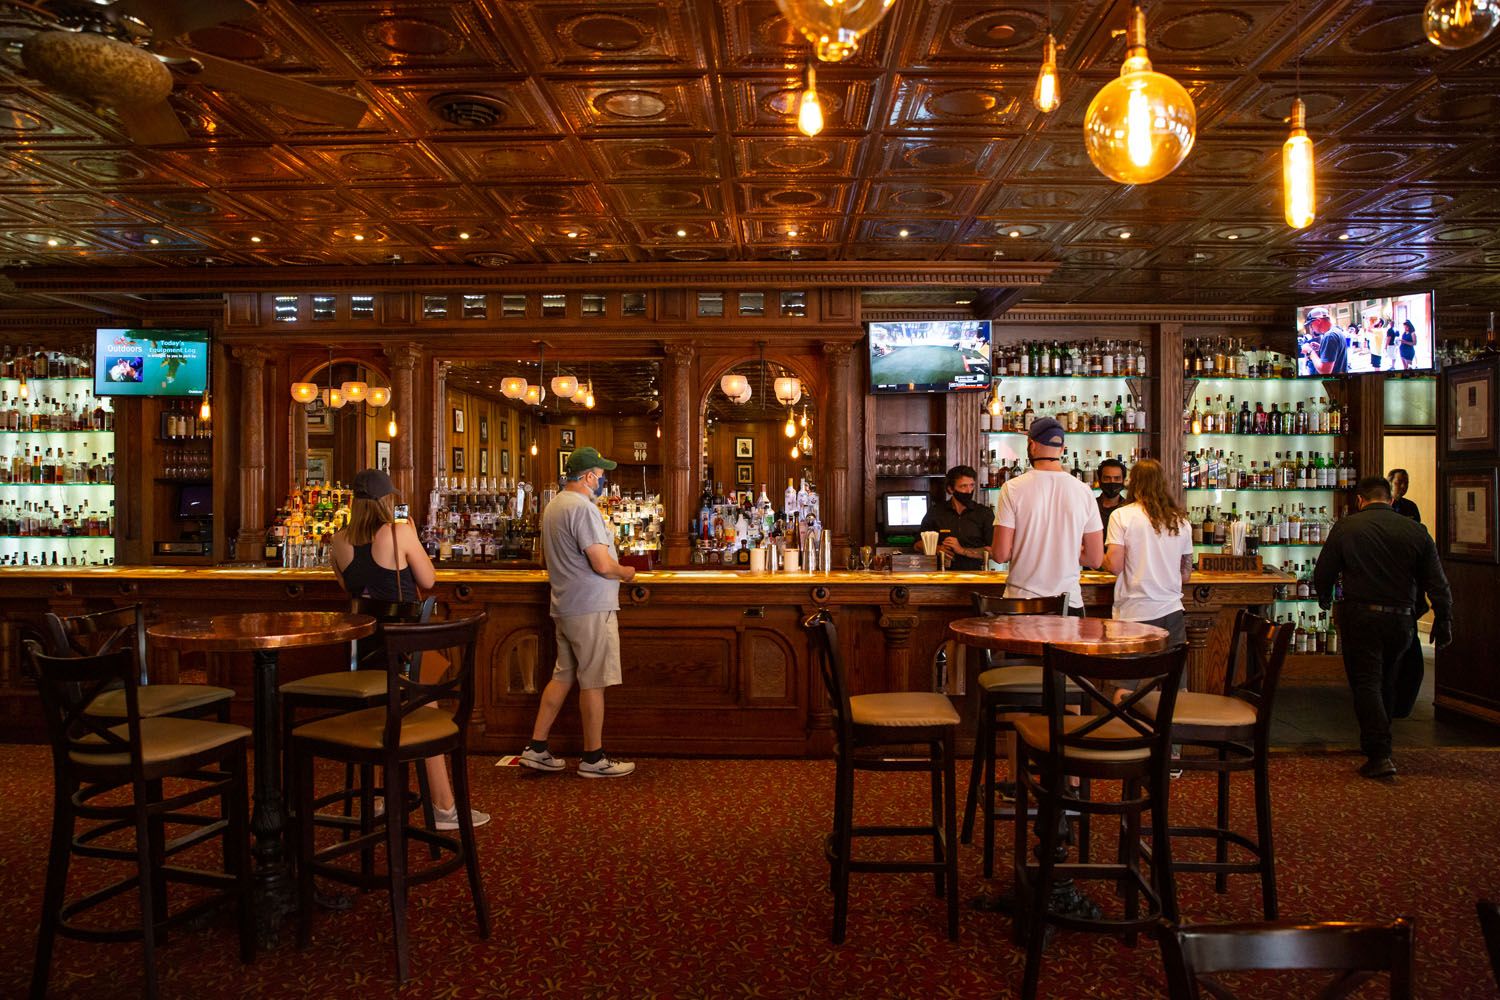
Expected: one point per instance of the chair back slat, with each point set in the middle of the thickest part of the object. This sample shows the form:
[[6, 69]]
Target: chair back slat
[[100, 632], [831, 666], [67, 684], [365, 653], [1265, 645], [994, 607], [1355, 952], [1160, 673], [403, 644]]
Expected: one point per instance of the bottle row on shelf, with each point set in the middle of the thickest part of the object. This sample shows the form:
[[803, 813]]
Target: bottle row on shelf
[[34, 363], [1071, 359], [480, 519], [1312, 634], [36, 466], [183, 421], [52, 557], [1212, 469], [995, 473], [1228, 357], [33, 411], [1216, 416], [726, 523], [40, 519], [1013, 416], [1275, 527]]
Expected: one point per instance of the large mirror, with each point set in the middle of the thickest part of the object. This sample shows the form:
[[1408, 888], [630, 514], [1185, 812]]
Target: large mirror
[[766, 436], [330, 443]]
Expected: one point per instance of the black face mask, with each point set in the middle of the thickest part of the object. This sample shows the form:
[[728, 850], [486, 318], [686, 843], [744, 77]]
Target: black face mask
[[964, 499], [1111, 490]]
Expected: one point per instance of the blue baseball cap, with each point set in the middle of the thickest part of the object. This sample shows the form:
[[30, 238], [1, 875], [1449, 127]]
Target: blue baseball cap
[[1046, 431]]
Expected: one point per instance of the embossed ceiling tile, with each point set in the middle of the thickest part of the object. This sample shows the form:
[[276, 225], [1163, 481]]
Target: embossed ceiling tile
[[602, 106], [1228, 159], [281, 123], [453, 35], [1384, 37], [1226, 232], [546, 199], [48, 244], [381, 254], [1343, 235], [757, 36], [809, 252], [1056, 160], [1406, 258], [1446, 200], [1027, 227], [28, 117], [464, 236], [1263, 200], [1175, 200], [570, 35], [1120, 254], [70, 208], [268, 41], [922, 197], [664, 232], [1011, 250], [1115, 232], [1464, 235], [1473, 162], [1377, 162], [147, 239], [417, 203], [307, 204], [93, 169], [674, 156], [585, 231], [354, 163], [690, 254], [594, 253], [885, 251], [926, 104], [1450, 106], [806, 195], [669, 199], [1331, 104], [904, 155], [1208, 35], [32, 172], [1197, 259], [975, 31], [466, 108], [780, 155], [346, 237], [1020, 199], [489, 161], [190, 207], [758, 104], [793, 231], [901, 232], [225, 166]]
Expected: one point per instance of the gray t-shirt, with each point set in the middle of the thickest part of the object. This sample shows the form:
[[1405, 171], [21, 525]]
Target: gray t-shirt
[[570, 524]]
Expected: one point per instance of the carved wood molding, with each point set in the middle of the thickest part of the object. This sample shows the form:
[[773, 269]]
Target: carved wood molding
[[252, 356], [1249, 315], [404, 355]]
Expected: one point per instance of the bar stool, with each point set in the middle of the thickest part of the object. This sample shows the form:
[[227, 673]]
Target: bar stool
[[93, 760], [1014, 687], [407, 729], [124, 628], [869, 721], [1236, 727], [1115, 745]]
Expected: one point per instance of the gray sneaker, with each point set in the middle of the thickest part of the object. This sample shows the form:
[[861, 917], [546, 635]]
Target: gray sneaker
[[541, 760], [447, 819], [605, 768]]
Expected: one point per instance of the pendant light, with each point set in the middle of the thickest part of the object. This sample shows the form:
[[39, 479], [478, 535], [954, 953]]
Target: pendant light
[[205, 411], [791, 424], [834, 26], [390, 428], [734, 385], [513, 387], [1141, 125], [1298, 180], [564, 386], [24, 391], [304, 392], [1458, 24], [379, 396], [809, 108], [588, 396], [354, 392], [1047, 94], [788, 390], [332, 398]]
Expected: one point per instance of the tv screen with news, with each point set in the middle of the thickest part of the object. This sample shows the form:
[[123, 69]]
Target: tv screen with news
[[150, 362], [1392, 333], [930, 355]]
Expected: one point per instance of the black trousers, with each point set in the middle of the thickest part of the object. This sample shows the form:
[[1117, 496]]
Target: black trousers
[[1374, 644], [1409, 676]]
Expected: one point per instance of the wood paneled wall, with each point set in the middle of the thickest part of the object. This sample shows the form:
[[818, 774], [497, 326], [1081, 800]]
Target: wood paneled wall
[[491, 440]]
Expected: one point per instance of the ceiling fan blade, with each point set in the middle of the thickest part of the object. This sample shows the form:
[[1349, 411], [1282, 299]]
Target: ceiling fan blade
[[153, 125], [256, 84], [174, 18]]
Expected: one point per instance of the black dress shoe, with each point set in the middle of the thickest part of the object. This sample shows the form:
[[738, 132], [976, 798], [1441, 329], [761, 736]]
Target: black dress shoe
[[1377, 767]]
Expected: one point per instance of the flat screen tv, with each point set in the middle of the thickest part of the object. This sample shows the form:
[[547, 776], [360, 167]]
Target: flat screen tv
[[195, 500], [150, 362], [930, 355], [903, 512], [1393, 333]]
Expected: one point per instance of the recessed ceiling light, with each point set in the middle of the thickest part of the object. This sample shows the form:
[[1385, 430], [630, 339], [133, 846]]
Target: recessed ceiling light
[[255, 239], [682, 232], [358, 237], [903, 234], [962, 302], [52, 242], [1124, 234], [791, 232], [572, 234], [154, 241], [1343, 236], [1232, 236], [1015, 233], [463, 236]]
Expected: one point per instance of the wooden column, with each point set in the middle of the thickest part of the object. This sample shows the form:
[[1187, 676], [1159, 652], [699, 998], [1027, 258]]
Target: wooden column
[[249, 545], [679, 431], [840, 508], [404, 361], [1165, 414], [1366, 396]]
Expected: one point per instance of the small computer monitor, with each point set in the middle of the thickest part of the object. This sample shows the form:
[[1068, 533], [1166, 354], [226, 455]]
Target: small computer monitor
[[195, 500], [903, 512]]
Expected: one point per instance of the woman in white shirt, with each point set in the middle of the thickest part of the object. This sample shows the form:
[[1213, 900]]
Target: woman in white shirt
[[1149, 548]]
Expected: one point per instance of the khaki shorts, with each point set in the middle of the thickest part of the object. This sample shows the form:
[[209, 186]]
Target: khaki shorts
[[588, 649]]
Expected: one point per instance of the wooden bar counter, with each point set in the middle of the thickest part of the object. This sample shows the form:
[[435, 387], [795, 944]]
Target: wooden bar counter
[[715, 661]]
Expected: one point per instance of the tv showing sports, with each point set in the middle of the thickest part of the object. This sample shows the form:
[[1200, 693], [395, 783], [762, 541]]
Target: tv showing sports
[[150, 362], [930, 355], [1393, 333]]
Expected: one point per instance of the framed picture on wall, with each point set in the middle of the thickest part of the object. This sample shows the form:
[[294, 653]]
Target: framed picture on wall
[[744, 473], [505, 430], [458, 421], [563, 454], [569, 438], [1471, 534], [383, 456], [504, 461], [484, 429], [484, 463], [319, 461], [317, 421], [744, 447], [458, 459], [1471, 408]]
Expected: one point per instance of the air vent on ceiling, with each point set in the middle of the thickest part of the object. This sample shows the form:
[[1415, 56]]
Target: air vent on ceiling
[[469, 111]]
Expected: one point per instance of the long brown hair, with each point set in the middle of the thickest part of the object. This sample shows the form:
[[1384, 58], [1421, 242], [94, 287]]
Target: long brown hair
[[1148, 487], [367, 517]]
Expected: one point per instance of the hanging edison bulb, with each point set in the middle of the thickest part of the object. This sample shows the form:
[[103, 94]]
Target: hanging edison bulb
[[834, 26], [390, 428], [795, 453], [205, 412], [1458, 24], [1297, 178], [994, 405], [809, 108], [1141, 125], [25, 390], [533, 448], [791, 425], [805, 443], [1047, 94]]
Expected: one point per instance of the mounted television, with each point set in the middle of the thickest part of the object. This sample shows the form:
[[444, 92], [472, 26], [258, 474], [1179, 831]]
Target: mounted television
[[930, 355], [1393, 333], [195, 500], [150, 362], [902, 512]]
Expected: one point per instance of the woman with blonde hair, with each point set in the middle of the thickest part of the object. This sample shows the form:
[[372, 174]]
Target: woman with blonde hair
[[379, 556], [1149, 548]]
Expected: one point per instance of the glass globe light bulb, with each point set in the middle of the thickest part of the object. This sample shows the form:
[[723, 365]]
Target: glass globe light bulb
[[1141, 125], [565, 386], [1047, 94], [734, 385], [1458, 24], [1298, 185], [304, 392], [834, 26], [513, 387], [379, 396]]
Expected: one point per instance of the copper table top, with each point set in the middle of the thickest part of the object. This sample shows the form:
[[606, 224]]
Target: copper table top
[[1029, 633], [262, 630]]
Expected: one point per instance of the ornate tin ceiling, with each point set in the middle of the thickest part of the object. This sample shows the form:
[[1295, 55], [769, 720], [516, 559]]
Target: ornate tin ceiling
[[630, 130]]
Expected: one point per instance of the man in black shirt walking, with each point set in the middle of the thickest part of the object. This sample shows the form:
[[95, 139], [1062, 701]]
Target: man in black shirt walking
[[1386, 563], [964, 525]]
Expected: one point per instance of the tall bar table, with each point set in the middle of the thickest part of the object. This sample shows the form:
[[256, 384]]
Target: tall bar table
[[264, 635]]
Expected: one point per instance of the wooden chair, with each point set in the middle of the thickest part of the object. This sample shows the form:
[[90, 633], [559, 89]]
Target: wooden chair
[[124, 629], [1012, 687], [874, 721], [1489, 924], [407, 729], [1115, 745], [1236, 728], [93, 760], [1357, 952]]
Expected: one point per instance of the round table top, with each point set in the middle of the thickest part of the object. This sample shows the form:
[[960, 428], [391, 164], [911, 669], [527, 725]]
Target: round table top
[[1029, 633], [262, 630]]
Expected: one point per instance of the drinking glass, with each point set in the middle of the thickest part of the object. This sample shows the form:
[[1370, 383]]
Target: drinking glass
[[866, 557]]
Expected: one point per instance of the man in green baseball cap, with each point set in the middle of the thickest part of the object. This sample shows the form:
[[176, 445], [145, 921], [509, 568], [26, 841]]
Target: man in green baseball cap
[[585, 574]]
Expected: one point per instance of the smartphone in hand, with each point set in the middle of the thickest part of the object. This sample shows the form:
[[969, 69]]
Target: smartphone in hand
[[402, 513]]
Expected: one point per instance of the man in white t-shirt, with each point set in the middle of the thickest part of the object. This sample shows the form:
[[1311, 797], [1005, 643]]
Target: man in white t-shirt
[[1047, 525]]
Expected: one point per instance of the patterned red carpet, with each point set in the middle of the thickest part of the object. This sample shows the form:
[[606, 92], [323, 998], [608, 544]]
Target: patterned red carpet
[[693, 879]]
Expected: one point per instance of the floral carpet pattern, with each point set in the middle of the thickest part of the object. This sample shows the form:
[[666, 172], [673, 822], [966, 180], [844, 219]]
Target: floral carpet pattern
[[695, 879]]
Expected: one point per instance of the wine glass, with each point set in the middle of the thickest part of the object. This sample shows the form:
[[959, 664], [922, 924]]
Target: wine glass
[[866, 557]]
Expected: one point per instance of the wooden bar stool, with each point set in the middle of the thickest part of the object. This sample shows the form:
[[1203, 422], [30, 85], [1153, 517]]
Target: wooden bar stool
[[1012, 687], [1236, 727], [93, 759], [1114, 745], [873, 721]]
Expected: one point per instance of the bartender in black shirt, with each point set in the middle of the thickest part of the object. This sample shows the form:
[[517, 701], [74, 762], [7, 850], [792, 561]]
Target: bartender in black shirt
[[963, 524], [1387, 562], [1111, 485]]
